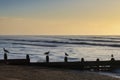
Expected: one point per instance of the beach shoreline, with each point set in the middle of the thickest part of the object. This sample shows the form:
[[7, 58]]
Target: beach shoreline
[[19, 72]]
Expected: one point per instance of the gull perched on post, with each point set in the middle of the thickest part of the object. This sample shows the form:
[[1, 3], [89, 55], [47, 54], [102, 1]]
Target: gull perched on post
[[47, 53], [112, 55], [66, 54], [5, 51]]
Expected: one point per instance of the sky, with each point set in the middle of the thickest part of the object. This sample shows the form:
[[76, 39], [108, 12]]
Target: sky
[[59, 17]]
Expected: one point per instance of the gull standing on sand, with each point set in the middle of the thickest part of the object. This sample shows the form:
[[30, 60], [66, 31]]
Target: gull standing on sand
[[5, 51]]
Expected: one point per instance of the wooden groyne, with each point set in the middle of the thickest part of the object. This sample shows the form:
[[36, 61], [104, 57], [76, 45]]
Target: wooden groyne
[[79, 65], [15, 61], [87, 65]]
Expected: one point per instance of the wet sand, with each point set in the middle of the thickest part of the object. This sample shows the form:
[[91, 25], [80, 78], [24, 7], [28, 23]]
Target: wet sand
[[12, 72]]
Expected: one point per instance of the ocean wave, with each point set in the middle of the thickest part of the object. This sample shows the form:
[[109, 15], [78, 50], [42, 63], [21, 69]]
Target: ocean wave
[[36, 44], [93, 40], [68, 41]]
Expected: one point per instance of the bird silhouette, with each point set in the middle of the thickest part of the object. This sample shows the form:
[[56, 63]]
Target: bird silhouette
[[47, 53], [112, 55], [5, 51], [66, 54]]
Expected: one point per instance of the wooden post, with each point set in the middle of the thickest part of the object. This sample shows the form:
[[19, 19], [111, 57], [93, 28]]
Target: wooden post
[[5, 57], [112, 63], [28, 59], [97, 60], [112, 59], [82, 63], [47, 59], [66, 59], [82, 60]]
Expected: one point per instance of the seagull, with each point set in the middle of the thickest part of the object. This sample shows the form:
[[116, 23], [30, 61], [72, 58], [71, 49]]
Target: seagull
[[112, 55], [47, 53], [6, 51], [66, 54]]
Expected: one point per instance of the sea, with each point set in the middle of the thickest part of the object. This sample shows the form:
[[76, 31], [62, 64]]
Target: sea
[[89, 47]]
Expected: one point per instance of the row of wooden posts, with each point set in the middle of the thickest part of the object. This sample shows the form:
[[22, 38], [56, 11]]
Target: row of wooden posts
[[28, 58], [47, 58], [81, 65]]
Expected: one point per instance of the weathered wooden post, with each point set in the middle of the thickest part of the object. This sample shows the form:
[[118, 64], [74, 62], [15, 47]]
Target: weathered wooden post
[[66, 58], [28, 59], [112, 57], [82, 60], [5, 54], [112, 62], [47, 56], [98, 60], [5, 57], [82, 63], [47, 59]]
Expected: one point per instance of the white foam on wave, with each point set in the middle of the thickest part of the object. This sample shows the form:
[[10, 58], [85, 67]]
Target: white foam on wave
[[63, 44]]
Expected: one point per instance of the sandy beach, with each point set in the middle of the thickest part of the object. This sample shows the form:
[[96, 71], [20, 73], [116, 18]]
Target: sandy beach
[[12, 72]]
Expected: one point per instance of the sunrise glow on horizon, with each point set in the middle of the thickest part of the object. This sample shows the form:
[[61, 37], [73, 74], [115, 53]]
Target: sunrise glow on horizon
[[59, 17]]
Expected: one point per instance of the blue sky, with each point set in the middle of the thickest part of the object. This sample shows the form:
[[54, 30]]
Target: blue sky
[[49, 8], [38, 7]]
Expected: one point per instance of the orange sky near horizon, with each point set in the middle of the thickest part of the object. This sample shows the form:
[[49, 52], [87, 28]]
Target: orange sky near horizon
[[60, 18]]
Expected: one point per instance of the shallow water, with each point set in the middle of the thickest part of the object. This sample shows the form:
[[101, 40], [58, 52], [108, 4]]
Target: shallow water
[[88, 47]]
